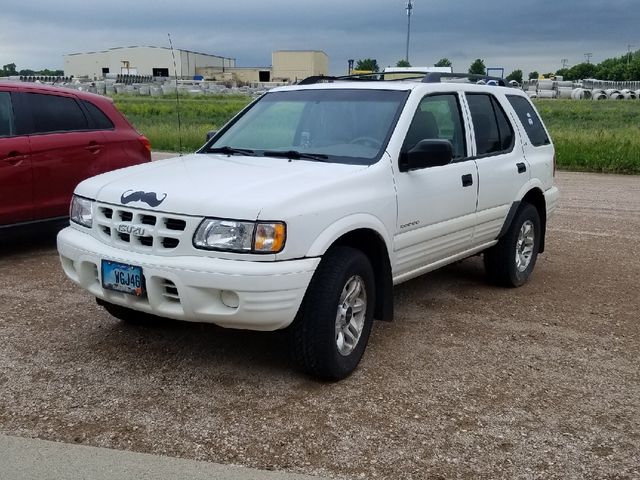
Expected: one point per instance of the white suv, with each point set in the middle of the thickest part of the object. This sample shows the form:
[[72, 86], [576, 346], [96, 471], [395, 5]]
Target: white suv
[[308, 206]]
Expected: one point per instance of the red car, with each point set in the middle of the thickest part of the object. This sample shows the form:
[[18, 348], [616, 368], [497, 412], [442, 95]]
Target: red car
[[52, 138]]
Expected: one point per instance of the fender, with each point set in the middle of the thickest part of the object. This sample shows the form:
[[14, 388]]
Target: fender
[[345, 225], [530, 186]]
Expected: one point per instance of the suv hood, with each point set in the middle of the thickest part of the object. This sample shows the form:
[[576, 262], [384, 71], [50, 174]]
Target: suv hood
[[213, 185]]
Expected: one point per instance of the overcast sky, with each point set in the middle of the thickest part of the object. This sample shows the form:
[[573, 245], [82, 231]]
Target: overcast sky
[[533, 35]]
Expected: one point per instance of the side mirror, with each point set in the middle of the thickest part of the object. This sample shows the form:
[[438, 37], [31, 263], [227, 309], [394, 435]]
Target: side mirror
[[425, 154], [211, 134]]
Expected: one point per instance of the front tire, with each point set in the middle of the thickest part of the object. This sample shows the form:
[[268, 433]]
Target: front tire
[[333, 326], [511, 261]]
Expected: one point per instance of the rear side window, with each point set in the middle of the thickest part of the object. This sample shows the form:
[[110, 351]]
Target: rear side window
[[7, 124], [530, 120], [98, 119], [51, 113], [493, 131]]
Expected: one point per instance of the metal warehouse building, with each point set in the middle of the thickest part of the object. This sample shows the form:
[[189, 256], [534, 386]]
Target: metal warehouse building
[[154, 61]]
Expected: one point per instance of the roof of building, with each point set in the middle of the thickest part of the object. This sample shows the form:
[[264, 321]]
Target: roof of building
[[147, 46]]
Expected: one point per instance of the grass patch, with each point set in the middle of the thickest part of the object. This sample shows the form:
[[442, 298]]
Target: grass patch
[[589, 136], [156, 118]]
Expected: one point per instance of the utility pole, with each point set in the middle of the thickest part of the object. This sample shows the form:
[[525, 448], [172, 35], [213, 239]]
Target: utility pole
[[588, 57], [409, 9], [565, 63], [629, 47]]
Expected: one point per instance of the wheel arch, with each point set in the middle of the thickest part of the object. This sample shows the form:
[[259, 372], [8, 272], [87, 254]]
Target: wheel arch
[[370, 243], [535, 197]]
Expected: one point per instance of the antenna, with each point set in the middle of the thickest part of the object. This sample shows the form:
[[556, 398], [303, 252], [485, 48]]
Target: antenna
[[175, 73], [409, 9]]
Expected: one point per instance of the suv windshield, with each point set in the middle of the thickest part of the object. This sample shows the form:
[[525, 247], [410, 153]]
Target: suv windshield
[[329, 125]]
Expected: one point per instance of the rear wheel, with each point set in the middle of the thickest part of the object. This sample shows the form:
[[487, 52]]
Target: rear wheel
[[332, 329], [511, 261]]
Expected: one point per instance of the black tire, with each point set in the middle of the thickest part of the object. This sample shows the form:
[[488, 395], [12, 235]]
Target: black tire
[[314, 332], [126, 315], [500, 260]]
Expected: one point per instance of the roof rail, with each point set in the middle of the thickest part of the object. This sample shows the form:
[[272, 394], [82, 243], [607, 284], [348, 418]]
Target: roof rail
[[430, 77], [436, 77]]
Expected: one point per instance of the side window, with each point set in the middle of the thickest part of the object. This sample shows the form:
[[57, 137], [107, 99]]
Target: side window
[[493, 131], [438, 117], [98, 119], [530, 120], [52, 113], [7, 125], [504, 126]]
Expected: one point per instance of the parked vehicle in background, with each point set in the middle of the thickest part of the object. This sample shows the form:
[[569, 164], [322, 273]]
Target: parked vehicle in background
[[305, 210], [50, 140]]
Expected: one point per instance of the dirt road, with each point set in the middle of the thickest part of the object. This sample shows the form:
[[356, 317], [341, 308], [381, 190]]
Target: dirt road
[[470, 381]]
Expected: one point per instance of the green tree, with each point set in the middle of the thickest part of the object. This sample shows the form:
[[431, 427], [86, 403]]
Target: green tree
[[563, 72], [515, 75], [582, 71], [478, 67], [369, 64], [403, 63], [443, 62], [8, 70], [534, 75]]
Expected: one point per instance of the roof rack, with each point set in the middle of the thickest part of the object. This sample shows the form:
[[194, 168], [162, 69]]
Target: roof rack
[[430, 77], [436, 77]]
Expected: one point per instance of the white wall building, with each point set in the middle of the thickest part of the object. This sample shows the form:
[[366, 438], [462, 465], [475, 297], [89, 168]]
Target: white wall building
[[154, 61]]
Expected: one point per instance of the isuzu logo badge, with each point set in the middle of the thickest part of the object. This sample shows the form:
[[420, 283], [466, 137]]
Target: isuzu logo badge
[[131, 230], [150, 198]]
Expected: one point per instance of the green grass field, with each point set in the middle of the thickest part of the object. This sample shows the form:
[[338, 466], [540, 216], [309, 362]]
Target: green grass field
[[589, 136], [593, 136]]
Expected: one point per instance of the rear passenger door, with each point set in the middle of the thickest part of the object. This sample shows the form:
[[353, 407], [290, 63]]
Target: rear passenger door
[[16, 203], [436, 205], [502, 168], [64, 151]]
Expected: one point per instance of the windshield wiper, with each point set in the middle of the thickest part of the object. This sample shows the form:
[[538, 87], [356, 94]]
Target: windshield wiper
[[231, 150], [296, 155]]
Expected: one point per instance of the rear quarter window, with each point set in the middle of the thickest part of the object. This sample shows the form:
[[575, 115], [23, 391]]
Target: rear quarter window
[[98, 119], [530, 120]]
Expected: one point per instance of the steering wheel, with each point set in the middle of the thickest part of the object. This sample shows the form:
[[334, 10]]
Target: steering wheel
[[367, 142]]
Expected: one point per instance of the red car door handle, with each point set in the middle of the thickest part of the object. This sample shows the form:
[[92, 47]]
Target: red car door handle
[[94, 147], [14, 158]]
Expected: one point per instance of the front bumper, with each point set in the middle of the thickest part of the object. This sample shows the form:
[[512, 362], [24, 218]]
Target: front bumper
[[262, 295]]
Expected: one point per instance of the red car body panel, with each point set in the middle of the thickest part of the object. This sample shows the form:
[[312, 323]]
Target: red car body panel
[[39, 171]]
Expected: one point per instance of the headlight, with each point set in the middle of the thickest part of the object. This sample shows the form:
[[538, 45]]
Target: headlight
[[81, 211], [238, 236]]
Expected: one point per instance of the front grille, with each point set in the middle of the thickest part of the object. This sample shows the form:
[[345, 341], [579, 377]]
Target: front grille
[[142, 230]]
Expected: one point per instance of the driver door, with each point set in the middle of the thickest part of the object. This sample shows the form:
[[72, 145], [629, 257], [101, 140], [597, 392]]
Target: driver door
[[436, 205]]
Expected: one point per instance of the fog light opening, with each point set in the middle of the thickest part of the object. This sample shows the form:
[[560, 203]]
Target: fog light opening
[[230, 299]]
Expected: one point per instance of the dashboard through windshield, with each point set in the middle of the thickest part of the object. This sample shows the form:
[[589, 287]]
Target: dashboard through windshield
[[331, 125]]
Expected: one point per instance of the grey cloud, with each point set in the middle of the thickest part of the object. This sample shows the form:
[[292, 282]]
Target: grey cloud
[[533, 35]]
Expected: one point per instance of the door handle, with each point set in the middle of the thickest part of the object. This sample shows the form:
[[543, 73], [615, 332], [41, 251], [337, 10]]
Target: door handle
[[14, 158], [521, 167], [467, 180], [93, 147]]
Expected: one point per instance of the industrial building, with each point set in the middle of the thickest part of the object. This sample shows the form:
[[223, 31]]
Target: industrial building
[[141, 60]]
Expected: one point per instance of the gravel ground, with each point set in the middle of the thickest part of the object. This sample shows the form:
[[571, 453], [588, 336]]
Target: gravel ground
[[470, 381]]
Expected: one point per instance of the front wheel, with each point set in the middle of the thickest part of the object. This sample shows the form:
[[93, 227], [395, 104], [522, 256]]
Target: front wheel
[[511, 261], [332, 329]]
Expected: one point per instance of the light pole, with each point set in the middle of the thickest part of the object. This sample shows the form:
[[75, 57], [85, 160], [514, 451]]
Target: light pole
[[409, 9]]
